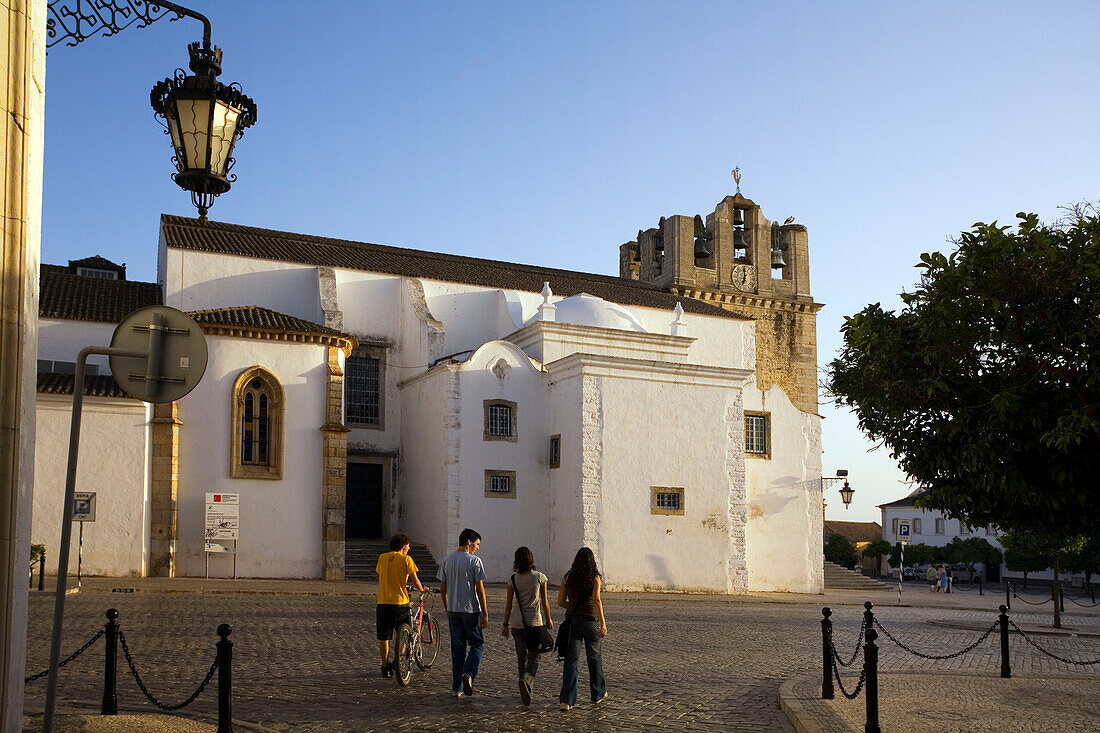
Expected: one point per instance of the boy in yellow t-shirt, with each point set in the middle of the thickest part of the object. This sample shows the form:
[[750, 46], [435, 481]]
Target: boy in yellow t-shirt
[[394, 569]]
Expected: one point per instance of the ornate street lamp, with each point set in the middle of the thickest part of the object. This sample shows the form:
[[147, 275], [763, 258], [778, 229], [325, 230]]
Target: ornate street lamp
[[846, 490], [204, 118]]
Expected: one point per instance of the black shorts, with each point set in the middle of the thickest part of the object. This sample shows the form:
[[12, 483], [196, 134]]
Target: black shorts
[[388, 617]]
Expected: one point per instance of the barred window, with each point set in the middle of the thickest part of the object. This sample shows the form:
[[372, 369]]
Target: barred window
[[363, 389], [500, 420], [666, 500], [500, 484], [757, 433], [555, 451]]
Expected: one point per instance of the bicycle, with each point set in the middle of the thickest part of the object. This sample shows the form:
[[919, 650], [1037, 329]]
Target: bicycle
[[418, 641]]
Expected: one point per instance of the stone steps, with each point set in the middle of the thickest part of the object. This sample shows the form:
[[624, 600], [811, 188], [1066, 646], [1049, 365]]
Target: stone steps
[[361, 556], [841, 578]]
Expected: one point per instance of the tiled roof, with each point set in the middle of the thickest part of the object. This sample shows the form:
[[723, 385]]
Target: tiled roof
[[253, 316], [96, 262], [99, 385], [855, 531], [907, 501], [234, 239], [82, 298]]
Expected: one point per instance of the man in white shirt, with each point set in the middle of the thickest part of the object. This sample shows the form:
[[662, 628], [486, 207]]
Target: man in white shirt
[[462, 586]]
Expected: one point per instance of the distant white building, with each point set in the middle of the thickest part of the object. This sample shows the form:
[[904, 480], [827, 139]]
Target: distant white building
[[355, 390]]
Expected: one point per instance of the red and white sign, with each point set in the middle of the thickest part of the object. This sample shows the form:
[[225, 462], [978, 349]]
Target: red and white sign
[[223, 516]]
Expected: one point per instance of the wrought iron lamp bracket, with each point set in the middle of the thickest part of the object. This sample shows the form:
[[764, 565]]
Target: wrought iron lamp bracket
[[76, 22]]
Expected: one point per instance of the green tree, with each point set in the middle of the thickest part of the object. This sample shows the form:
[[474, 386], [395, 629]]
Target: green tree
[[1085, 559], [839, 549], [875, 549], [1030, 551], [914, 554], [974, 550], [985, 386]]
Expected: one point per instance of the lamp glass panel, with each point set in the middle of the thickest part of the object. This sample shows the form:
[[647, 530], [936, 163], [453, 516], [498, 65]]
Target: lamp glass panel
[[223, 134], [174, 131], [194, 121]]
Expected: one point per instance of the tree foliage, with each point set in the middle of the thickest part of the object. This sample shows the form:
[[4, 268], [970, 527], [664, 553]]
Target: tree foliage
[[876, 548], [839, 549], [917, 554], [974, 550], [985, 386], [1030, 552]]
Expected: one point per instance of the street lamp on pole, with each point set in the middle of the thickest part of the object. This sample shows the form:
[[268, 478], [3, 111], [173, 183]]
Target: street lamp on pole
[[846, 491], [204, 118]]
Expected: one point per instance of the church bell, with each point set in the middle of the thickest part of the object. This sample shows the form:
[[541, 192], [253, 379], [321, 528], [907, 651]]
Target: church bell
[[702, 246]]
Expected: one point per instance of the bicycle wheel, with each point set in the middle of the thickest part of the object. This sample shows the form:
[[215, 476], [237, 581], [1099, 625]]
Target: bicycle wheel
[[428, 649], [402, 655]]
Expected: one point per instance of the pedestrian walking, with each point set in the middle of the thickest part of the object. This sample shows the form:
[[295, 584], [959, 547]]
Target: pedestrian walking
[[580, 597], [950, 578], [933, 578], [462, 587], [943, 579], [527, 590], [394, 569]]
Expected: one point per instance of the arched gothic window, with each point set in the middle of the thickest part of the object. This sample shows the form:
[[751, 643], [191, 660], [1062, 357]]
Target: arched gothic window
[[257, 425]]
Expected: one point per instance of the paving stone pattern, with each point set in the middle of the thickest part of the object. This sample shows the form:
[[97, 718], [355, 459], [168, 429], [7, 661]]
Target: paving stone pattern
[[309, 663]]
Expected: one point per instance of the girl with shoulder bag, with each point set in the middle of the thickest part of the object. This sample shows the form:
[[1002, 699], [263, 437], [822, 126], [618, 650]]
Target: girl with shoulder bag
[[529, 621], [580, 595]]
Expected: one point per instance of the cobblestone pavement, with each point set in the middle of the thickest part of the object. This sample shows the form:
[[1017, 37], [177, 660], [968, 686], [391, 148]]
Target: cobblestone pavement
[[309, 662]]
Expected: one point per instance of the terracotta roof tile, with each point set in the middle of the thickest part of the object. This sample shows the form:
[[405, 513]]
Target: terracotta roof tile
[[100, 385], [234, 239], [253, 316], [82, 298], [855, 531]]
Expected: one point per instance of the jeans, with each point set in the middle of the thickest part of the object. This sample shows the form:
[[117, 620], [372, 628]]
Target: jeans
[[585, 629], [465, 632], [528, 662]]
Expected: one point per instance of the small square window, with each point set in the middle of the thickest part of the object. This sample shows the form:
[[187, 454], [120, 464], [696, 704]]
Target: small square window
[[500, 484], [963, 529], [555, 451], [500, 420], [667, 500], [758, 434]]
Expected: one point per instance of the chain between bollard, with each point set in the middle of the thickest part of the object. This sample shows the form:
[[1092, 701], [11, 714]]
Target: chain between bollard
[[840, 683], [970, 648], [1052, 655], [859, 642], [145, 690], [68, 659], [1082, 605]]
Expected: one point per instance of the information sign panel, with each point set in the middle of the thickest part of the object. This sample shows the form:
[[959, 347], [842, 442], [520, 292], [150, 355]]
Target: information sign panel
[[223, 515], [903, 531], [84, 506]]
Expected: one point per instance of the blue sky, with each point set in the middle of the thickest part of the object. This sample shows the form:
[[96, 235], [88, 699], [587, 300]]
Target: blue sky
[[550, 135]]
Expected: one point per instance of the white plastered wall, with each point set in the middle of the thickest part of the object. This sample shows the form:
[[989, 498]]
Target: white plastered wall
[[280, 520], [784, 499], [113, 462]]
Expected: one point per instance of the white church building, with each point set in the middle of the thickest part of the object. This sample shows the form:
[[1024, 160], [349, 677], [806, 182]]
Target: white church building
[[665, 417]]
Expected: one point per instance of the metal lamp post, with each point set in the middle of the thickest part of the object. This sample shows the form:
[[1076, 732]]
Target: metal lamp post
[[204, 118], [846, 491]]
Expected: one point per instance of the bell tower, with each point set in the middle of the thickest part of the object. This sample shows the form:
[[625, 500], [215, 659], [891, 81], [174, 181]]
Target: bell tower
[[739, 260]]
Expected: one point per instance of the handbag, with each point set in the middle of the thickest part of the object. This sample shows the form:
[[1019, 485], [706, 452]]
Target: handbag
[[565, 629], [537, 638]]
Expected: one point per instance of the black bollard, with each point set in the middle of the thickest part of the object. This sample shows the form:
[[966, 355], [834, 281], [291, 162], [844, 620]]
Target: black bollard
[[826, 654], [1006, 668], [42, 571], [1092, 591], [225, 680], [868, 616], [981, 591], [1061, 598], [870, 687], [1008, 591], [110, 664]]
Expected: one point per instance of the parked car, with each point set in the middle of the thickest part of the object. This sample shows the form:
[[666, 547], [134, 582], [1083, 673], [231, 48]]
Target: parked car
[[909, 574], [960, 571]]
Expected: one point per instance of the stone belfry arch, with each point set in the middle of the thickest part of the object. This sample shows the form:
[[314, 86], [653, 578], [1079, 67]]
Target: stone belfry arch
[[737, 274]]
